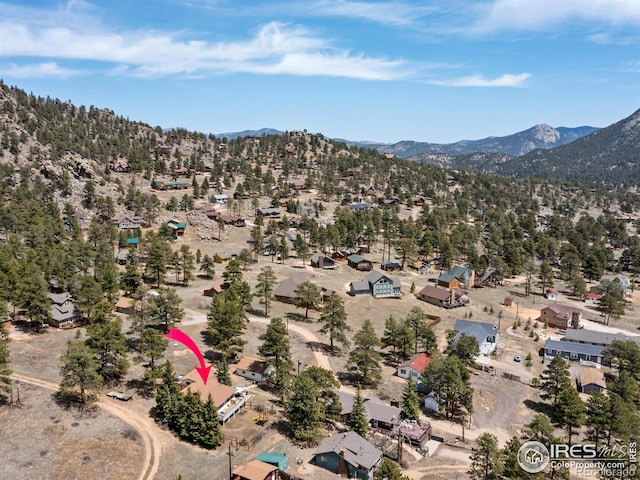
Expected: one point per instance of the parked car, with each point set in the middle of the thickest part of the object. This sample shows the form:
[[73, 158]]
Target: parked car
[[119, 395], [517, 358]]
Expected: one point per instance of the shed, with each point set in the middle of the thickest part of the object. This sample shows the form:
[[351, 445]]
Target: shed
[[508, 301], [277, 459]]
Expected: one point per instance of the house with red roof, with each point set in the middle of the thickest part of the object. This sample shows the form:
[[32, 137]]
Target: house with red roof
[[414, 366]]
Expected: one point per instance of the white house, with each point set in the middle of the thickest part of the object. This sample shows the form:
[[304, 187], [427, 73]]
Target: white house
[[253, 369], [414, 366], [220, 199], [486, 334]]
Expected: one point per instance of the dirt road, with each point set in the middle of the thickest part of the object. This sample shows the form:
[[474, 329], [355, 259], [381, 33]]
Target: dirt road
[[145, 427]]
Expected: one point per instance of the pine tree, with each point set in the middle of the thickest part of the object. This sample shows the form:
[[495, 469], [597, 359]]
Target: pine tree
[[357, 421], [5, 358], [364, 359], [79, 368], [389, 470], [108, 344], [208, 266], [486, 458], [152, 346], [226, 322], [568, 410], [267, 282], [555, 378], [164, 308], [223, 375], [598, 416], [276, 351], [187, 264], [411, 401], [307, 296], [334, 321]]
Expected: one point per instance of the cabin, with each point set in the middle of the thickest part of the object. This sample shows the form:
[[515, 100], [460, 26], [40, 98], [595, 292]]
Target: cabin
[[126, 222], [177, 226], [255, 470], [220, 199], [349, 455], [591, 380], [224, 257], [253, 369], [233, 220], [359, 263], [383, 286], [320, 260], [215, 289], [486, 334], [414, 366], [227, 400], [63, 312]]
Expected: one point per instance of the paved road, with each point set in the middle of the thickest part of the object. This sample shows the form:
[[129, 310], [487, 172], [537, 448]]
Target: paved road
[[144, 425]]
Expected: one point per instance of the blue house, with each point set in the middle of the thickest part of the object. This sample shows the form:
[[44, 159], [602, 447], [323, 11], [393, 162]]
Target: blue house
[[383, 286], [348, 454]]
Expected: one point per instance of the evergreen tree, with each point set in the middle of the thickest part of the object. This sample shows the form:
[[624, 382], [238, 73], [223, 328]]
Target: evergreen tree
[[226, 322], [411, 401], [555, 378], [302, 249], [276, 351], [449, 379], [5, 357], [569, 410], [187, 264], [306, 413], [131, 280], [307, 296], [416, 320], [168, 397], [33, 294], [334, 321], [283, 250], [357, 421], [158, 254], [465, 348], [79, 369], [598, 417], [164, 308], [108, 344], [364, 359], [208, 266], [389, 470], [152, 346], [267, 282], [487, 462], [545, 276], [399, 336], [223, 375], [87, 294]]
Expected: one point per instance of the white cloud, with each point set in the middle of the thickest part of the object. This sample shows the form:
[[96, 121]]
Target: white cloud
[[389, 13], [274, 48], [506, 80], [499, 15], [37, 70]]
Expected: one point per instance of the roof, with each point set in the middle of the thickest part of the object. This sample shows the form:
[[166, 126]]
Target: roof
[[578, 348], [447, 277], [318, 256], [219, 393], [133, 241], [592, 376], [272, 458], [560, 310], [375, 408], [254, 470], [594, 337], [287, 288], [176, 224], [357, 451], [251, 364], [391, 264], [360, 285], [356, 258], [375, 277], [461, 273], [60, 298], [435, 292], [479, 330], [124, 302], [418, 362]]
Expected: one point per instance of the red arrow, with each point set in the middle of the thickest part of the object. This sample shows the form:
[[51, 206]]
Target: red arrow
[[180, 336]]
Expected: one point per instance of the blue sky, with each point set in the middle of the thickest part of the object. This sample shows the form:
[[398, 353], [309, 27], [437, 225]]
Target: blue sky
[[435, 70]]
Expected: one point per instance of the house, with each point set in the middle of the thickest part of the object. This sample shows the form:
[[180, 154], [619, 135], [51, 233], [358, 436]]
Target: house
[[133, 242], [227, 400], [63, 312], [440, 297], [391, 267], [508, 301], [379, 415], [225, 257], [573, 351], [359, 288], [277, 459], [127, 222], [623, 281], [591, 337], [551, 294], [233, 220], [124, 305], [419, 266], [465, 278], [592, 298], [357, 207], [348, 454], [557, 315], [121, 257], [255, 470], [297, 184], [215, 289], [414, 366], [591, 380], [382, 286], [414, 433], [320, 260], [368, 190], [177, 227], [253, 369], [359, 263], [486, 334], [285, 292], [267, 212], [418, 200], [220, 199]]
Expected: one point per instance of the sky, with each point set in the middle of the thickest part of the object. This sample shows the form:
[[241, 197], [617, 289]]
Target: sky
[[384, 71]]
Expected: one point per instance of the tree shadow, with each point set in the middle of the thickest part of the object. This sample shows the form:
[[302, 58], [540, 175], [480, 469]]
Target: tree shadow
[[71, 401], [141, 387], [257, 312], [297, 317], [538, 406]]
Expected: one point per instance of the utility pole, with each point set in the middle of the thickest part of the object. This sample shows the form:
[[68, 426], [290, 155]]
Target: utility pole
[[229, 460]]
